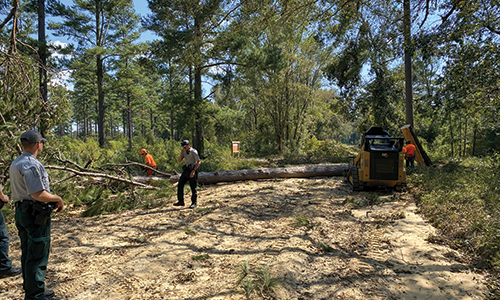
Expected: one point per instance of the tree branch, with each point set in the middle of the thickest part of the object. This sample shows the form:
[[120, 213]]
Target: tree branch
[[132, 163], [66, 161], [100, 175], [223, 63], [9, 17], [491, 29], [427, 5], [445, 18]]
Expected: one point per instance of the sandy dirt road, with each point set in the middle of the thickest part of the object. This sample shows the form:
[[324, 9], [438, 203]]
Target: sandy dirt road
[[300, 228]]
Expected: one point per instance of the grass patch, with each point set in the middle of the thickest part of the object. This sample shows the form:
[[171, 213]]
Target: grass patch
[[258, 280], [302, 221], [462, 200], [203, 210], [189, 231], [60, 261], [370, 199], [137, 240], [200, 257], [323, 247]]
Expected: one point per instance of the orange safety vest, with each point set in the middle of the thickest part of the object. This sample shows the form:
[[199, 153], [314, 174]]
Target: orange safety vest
[[409, 150], [149, 160]]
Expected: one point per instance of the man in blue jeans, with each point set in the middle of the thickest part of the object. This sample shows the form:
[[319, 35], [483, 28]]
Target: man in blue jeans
[[6, 269], [189, 173]]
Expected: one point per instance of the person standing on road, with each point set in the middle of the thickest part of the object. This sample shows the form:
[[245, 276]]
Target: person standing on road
[[34, 203], [409, 151], [6, 269], [150, 162], [189, 173]]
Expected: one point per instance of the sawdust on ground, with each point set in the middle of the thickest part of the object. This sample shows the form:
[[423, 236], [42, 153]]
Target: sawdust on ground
[[300, 228]]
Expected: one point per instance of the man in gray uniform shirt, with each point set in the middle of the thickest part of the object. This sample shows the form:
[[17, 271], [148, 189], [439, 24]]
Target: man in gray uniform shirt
[[189, 173], [6, 269], [31, 194]]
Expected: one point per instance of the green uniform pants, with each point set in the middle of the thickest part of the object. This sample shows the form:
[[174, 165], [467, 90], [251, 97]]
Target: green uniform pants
[[35, 245]]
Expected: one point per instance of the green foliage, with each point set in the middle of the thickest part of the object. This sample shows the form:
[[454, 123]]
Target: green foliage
[[302, 221], [8, 213], [114, 195], [353, 202], [203, 210], [189, 231], [164, 152], [200, 257], [373, 199], [324, 247], [141, 239], [461, 199], [258, 280], [369, 199], [220, 159], [248, 287], [346, 69], [326, 151]]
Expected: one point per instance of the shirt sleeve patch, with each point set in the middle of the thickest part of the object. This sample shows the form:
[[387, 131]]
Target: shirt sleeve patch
[[35, 172]]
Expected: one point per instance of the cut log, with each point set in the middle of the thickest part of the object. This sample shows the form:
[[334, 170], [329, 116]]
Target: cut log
[[268, 173]]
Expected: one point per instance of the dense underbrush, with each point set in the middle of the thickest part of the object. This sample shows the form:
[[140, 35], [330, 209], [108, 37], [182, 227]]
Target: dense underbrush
[[461, 198]]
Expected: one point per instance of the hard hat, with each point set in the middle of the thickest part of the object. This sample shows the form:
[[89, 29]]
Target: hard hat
[[143, 151]]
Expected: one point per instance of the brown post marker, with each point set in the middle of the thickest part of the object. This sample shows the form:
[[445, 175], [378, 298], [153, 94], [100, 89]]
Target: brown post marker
[[235, 148]]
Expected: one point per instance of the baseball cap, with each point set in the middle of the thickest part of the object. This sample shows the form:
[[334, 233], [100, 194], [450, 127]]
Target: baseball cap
[[33, 137], [184, 143]]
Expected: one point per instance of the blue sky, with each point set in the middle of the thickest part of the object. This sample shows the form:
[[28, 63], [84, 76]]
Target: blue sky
[[141, 8]]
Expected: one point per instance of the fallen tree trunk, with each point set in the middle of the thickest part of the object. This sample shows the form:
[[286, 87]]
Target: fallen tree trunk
[[254, 174]]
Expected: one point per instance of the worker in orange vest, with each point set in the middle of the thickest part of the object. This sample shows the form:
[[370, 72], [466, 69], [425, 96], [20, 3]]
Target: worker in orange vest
[[150, 162], [409, 151]]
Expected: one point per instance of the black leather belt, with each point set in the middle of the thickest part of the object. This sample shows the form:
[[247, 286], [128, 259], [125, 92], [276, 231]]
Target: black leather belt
[[20, 202]]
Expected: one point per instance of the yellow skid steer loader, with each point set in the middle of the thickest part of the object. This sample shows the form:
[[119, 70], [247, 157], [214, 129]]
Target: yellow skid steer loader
[[380, 161]]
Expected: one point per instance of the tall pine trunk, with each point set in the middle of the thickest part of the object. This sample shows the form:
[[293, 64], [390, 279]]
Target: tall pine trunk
[[451, 136], [42, 68], [408, 69], [198, 97], [199, 138], [100, 75], [152, 121], [100, 96], [85, 121], [465, 139], [459, 139], [129, 121], [170, 88], [474, 140]]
